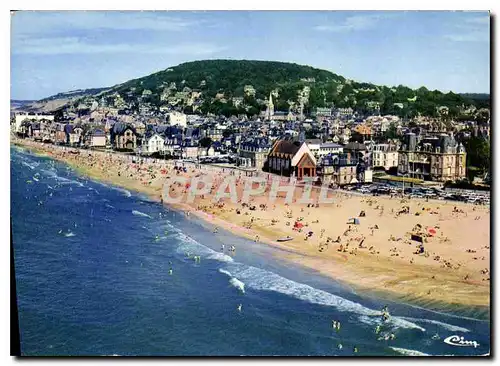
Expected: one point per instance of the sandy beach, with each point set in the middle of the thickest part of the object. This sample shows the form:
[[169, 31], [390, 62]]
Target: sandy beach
[[376, 255]]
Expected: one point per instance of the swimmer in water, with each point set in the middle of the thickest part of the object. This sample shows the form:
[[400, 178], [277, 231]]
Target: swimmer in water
[[239, 307], [392, 337], [377, 329], [334, 324], [340, 346], [435, 336], [338, 326], [355, 350], [170, 271], [216, 230], [222, 247]]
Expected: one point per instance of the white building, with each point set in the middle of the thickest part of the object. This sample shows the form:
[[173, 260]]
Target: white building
[[384, 156], [154, 143], [330, 147], [177, 118]]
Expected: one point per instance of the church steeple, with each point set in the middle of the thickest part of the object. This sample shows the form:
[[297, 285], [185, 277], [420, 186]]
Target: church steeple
[[270, 107]]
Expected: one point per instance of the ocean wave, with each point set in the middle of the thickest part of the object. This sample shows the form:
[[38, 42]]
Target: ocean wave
[[31, 166], [190, 245], [234, 281], [409, 352], [260, 279], [139, 213], [450, 327], [221, 257], [63, 180], [50, 173], [122, 190], [238, 284], [268, 281]]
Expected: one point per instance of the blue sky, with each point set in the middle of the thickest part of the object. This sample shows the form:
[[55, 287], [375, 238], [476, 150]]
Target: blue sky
[[53, 52]]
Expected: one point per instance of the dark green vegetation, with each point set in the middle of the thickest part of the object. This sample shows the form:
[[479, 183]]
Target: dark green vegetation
[[478, 157], [326, 89]]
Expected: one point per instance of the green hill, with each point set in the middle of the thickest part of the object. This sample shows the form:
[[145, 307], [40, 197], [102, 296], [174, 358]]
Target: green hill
[[290, 83]]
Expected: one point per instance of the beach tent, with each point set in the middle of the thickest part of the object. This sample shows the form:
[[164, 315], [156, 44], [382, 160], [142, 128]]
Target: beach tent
[[417, 238], [298, 225], [353, 221]]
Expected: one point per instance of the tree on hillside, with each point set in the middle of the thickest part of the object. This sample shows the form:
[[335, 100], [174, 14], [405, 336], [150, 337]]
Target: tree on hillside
[[478, 153]]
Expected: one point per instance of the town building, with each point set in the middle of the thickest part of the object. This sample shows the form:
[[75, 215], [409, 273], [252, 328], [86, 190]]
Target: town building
[[123, 137], [384, 156], [95, 138], [34, 117], [291, 158], [436, 158], [153, 143], [253, 153], [338, 169], [177, 118]]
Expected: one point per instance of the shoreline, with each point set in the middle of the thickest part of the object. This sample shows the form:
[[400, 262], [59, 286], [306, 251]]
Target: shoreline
[[380, 276]]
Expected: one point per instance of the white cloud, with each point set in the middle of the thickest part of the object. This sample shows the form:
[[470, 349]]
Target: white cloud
[[474, 36], [75, 45], [39, 23], [476, 29], [479, 20], [354, 23]]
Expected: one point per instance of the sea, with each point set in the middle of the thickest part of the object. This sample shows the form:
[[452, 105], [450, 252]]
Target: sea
[[103, 271]]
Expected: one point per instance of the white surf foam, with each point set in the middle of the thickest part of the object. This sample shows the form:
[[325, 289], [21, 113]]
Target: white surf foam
[[63, 180], [234, 281], [221, 257], [409, 352], [190, 245], [31, 166], [267, 281], [260, 279], [450, 327], [70, 234], [238, 284], [122, 190], [139, 213]]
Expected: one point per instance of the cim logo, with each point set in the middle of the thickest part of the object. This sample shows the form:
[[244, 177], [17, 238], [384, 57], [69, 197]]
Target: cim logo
[[455, 340]]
